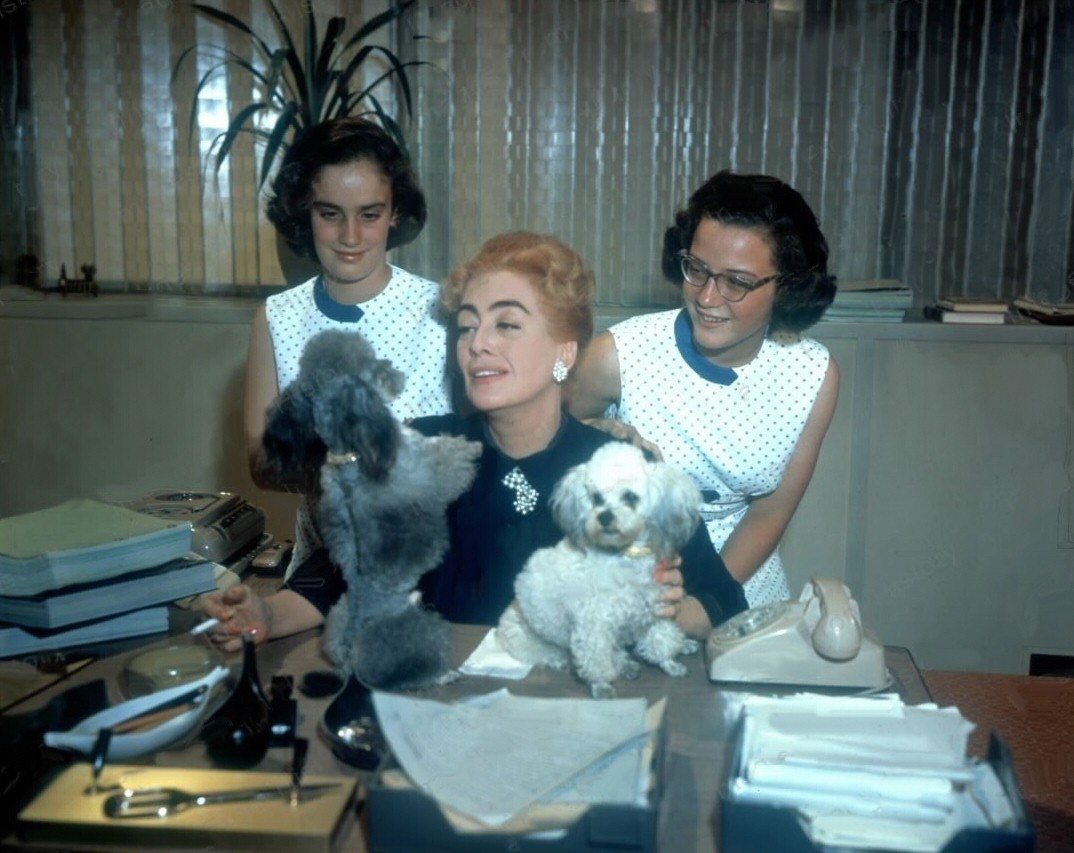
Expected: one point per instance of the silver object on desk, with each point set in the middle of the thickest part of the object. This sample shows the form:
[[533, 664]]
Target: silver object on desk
[[164, 802], [225, 525]]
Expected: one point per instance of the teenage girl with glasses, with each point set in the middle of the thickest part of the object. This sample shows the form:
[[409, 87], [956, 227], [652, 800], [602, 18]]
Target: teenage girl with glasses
[[726, 387]]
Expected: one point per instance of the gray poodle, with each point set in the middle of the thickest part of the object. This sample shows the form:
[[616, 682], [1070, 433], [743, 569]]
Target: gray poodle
[[381, 511]]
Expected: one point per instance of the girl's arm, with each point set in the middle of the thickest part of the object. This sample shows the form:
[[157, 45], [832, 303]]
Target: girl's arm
[[261, 391], [758, 533], [595, 384]]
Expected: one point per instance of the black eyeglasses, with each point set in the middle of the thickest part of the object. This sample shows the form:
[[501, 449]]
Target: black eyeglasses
[[731, 286]]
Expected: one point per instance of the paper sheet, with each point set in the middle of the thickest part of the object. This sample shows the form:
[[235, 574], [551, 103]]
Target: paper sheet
[[867, 773], [489, 759], [492, 660]]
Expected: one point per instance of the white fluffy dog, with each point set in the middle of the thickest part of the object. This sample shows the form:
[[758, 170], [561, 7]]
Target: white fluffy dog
[[591, 599]]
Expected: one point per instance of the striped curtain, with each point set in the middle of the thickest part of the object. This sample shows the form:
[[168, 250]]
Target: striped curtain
[[934, 138]]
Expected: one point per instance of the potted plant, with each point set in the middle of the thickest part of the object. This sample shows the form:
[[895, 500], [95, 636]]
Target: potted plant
[[306, 80]]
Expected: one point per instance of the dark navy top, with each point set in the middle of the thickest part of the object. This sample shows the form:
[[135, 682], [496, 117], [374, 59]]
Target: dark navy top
[[491, 540]]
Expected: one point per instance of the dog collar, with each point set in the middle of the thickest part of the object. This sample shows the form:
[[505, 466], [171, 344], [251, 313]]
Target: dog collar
[[345, 458], [636, 551]]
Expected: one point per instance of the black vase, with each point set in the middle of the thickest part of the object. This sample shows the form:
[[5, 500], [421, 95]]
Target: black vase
[[237, 735]]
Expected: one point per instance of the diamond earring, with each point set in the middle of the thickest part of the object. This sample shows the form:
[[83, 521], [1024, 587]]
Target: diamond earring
[[559, 371]]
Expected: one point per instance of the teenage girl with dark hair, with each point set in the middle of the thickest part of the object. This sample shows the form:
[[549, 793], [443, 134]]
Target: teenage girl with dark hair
[[726, 387], [343, 197]]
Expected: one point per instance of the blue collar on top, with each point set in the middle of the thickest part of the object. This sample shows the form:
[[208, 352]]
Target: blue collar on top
[[332, 309], [684, 340]]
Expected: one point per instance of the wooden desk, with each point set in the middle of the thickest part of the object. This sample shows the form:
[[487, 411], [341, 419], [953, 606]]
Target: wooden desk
[[1035, 717], [695, 719]]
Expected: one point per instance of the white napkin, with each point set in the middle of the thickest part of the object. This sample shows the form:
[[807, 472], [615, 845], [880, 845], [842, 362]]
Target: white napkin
[[492, 660]]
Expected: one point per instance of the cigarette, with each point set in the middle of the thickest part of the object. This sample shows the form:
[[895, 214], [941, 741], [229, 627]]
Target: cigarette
[[202, 627]]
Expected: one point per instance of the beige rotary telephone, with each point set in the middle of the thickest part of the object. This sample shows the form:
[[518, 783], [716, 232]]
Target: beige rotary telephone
[[818, 641]]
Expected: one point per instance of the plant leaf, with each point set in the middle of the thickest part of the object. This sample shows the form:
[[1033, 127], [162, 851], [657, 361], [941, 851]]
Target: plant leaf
[[398, 69], [376, 22], [301, 91], [310, 62], [231, 21], [276, 138], [206, 78], [234, 128], [324, 77]]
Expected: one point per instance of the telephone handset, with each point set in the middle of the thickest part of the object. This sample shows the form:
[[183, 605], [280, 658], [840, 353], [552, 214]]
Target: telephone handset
[[818, 640]]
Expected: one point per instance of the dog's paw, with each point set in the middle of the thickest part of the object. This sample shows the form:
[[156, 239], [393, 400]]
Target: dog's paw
[[631, 669], [673, 668], [689, 647], [448, 677], [602, 690]]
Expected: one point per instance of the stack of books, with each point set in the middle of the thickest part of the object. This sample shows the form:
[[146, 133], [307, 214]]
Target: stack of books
[[1052, 313], [86, 571], [967, 309], [873, 301]]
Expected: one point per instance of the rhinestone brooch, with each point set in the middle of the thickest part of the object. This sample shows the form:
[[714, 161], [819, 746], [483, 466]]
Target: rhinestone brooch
[[525, 495]]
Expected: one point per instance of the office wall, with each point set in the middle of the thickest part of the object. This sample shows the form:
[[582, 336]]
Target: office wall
[[942, 495]]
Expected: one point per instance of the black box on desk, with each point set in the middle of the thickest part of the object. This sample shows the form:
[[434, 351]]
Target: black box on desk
[[757, 828], [406, 819]]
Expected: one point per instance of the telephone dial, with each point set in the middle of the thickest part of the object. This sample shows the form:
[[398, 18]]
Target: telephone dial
[[818, 640]]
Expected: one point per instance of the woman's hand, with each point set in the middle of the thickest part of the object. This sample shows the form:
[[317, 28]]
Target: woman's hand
[[626, 432], [669, 575], [676, 604], [240, 610]]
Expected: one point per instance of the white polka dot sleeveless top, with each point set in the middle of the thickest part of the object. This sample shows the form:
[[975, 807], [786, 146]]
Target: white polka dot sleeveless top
[[734, 439], [400, 324]]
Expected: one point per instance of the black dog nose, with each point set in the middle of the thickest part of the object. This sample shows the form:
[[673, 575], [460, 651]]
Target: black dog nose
[[606, 518]]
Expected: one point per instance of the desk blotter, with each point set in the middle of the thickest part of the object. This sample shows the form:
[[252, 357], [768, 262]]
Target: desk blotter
[[65, 813]]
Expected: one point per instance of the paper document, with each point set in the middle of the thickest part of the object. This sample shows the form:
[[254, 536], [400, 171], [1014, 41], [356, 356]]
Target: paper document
[[491, 758], [868, 773]]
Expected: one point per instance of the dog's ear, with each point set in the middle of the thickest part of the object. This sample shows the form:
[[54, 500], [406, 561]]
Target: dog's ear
[[351, 417], [570, 503], [386, 379], [674, 503], [290, 443]]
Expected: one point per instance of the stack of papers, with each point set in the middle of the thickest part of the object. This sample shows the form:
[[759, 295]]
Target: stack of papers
[[492, 757], [866, 772]]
